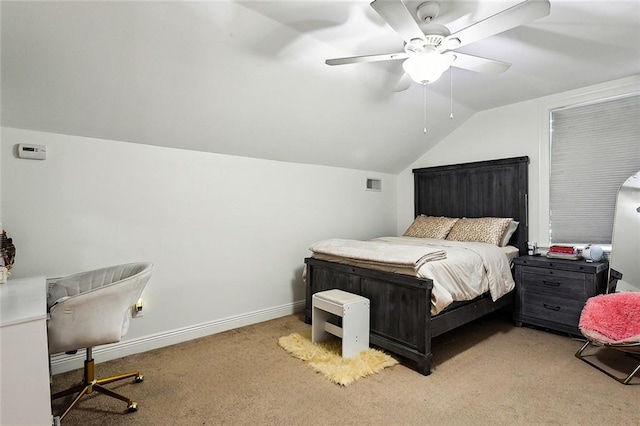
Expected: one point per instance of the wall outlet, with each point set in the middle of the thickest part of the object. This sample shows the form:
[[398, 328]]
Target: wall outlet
[[136, 310]]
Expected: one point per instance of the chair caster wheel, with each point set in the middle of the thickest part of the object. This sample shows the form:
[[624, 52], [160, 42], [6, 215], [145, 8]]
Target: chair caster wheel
[[139, 378], [133, 407]]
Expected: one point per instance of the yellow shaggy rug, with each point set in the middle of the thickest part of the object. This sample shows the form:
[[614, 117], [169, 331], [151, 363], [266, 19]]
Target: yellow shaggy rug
[[325, 358]]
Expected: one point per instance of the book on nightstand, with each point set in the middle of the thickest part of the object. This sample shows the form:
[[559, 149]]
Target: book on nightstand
[[564, 252]]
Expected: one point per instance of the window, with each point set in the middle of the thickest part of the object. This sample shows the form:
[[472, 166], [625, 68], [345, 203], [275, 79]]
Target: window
[[594, 148]]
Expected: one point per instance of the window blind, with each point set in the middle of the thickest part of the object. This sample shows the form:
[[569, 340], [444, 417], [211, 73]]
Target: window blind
[[594, 148]]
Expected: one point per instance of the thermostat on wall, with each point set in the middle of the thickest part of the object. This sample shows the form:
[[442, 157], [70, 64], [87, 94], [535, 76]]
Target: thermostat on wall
[[33, 152]]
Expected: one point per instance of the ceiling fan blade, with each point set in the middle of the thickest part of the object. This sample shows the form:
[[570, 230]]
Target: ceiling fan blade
[[367, 58], [479, 64], [399, 18], [520, 14]]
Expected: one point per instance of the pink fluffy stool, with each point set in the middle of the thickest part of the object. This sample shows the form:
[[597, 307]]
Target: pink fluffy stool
[[612, 321]]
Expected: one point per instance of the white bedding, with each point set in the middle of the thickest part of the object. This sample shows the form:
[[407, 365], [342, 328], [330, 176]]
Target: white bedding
[[380, 252], [469, 269]]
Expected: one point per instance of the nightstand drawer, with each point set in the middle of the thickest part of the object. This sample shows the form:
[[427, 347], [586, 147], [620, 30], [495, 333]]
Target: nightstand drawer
[[553, 282], [550, 308]]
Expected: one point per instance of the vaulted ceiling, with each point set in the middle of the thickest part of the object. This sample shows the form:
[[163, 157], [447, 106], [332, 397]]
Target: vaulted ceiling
[[248, 78]]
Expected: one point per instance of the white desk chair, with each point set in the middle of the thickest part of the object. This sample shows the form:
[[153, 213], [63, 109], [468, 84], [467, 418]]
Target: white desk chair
[[90, 309]]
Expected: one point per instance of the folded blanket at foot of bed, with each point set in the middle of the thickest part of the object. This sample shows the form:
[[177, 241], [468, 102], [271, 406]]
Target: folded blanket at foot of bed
[[378, 252]]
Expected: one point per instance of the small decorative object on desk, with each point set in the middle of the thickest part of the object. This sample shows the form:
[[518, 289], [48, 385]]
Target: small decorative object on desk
[[564, 252], [7, 251]]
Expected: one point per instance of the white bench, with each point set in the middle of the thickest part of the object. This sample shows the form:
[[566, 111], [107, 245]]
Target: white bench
[[354, 311]]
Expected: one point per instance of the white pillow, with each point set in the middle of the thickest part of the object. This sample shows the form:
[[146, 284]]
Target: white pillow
[[508, 233]]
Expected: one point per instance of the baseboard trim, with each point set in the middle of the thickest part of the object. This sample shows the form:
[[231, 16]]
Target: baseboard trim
[[61, 363]]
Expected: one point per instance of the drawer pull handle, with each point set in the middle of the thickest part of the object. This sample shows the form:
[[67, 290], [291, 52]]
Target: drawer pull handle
[[551, 307], [551, 283]]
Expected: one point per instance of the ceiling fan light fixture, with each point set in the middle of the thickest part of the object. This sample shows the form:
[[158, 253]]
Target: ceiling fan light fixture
[[427, 67], [450, 43]]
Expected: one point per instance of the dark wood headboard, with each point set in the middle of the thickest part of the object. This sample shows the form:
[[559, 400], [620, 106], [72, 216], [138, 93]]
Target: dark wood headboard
[[495, 188]]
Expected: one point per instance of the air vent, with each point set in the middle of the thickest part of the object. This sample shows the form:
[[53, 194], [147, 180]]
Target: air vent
[[374, 185]]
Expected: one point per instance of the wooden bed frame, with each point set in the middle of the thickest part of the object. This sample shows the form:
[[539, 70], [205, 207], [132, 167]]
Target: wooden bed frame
[[401, 321]]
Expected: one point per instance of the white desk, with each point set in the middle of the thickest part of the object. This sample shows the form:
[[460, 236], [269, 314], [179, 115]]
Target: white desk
[[24, 366]]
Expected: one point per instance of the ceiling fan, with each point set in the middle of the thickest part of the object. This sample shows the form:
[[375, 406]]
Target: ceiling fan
[[429, 53]]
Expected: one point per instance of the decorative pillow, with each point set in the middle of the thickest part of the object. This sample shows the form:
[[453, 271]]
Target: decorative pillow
[[513, 225], [484, 229], [430, 227]]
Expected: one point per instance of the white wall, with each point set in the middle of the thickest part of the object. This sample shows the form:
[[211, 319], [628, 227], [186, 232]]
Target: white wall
[[228, 234], [510, 131]]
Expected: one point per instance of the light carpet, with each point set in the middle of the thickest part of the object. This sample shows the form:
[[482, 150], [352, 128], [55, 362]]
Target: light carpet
[[325, 358]]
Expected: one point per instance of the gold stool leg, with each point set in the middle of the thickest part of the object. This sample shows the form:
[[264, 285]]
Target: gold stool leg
[[89, 384], [131, 405], [75, 402], [112, 379]]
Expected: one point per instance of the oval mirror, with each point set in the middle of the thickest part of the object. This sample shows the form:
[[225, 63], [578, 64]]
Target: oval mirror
[[625, 244]]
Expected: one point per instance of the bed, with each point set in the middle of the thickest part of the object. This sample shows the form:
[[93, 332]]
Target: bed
[[401, 319]]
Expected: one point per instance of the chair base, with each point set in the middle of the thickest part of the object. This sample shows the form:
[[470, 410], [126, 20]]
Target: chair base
[[91, 384], [623, 380]]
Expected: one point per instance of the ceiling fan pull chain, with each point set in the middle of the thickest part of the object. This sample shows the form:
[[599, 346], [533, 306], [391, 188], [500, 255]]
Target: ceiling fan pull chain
[[451, 92], [424, 87]]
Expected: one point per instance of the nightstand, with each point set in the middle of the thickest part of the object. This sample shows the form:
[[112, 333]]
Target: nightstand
[[551, 293]]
